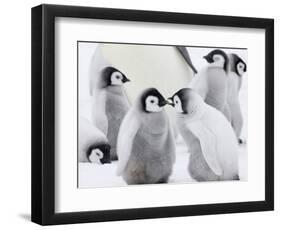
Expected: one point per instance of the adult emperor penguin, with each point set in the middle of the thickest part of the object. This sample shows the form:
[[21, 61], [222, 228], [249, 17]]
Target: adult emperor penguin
[[93, 145], [237, 68], [146, 147], [109, 104], [211, 82], [209, 136]]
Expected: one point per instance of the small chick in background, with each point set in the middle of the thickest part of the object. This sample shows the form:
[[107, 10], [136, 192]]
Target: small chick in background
[[146, 147], [93, 145], [237, 68], [209, 136], [211, 82], [109, 104]]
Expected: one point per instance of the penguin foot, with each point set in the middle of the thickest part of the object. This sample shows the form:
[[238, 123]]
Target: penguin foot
[[163, 180], [242, 141], [236, 177]]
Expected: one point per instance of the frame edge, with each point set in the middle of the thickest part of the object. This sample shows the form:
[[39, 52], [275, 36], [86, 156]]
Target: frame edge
[[36, 114], [42, 211]]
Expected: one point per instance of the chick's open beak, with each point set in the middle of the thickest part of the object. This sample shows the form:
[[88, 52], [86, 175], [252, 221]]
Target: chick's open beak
[[208, 59]]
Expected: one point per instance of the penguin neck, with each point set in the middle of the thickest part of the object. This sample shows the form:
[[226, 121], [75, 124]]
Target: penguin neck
[[197, 115], [217, 64], [116, 90], [119, 95], [154, 123]]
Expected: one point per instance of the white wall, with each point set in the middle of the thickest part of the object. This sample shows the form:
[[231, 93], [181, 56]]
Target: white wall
[[15, 113]]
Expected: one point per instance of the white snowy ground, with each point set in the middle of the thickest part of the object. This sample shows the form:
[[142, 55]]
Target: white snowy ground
[[94, 175]]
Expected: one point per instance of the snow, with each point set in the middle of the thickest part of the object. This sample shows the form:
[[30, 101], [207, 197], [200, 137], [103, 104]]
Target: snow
[[93, 175]]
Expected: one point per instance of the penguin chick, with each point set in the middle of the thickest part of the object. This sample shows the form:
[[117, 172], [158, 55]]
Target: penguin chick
[[110, 104], [93, 145], [237, 68], [209, 136], [146, 147], [211, 82]]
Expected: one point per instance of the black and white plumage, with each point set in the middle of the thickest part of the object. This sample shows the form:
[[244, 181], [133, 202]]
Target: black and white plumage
[[209, 136], [109, 103], [211, 82], [93, 145], [237, 68], [146, 148]]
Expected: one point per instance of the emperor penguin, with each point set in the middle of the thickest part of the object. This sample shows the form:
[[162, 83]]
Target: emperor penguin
[[211, 81], [146, 147], [237, 68], [209, 137], [93, 144], [110, 104]]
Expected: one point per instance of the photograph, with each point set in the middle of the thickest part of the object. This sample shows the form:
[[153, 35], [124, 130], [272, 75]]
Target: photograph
[[140, 114], [160, 114]]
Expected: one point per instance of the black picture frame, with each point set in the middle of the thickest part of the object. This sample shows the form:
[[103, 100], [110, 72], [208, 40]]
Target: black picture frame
[[43, 113]]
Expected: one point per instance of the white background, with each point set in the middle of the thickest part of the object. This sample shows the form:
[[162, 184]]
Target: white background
[[15, 115]]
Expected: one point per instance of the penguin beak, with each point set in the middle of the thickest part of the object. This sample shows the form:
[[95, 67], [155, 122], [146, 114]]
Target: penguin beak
[[163, 103], [126, 80], [208, 59], [170, 101]]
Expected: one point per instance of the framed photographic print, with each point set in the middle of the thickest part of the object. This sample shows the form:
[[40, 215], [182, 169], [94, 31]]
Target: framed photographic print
[[142, 114]]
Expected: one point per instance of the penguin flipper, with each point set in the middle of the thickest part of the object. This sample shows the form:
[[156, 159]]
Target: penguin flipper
[[127, 132], [199, 84], [183, 51], [236, 116], [208, 142]]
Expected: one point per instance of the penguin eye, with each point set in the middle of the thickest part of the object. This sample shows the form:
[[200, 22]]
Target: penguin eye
[[152, 101], [117, 77]]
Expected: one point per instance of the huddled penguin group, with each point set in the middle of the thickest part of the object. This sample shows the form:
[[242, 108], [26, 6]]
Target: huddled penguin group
[[139, 135]]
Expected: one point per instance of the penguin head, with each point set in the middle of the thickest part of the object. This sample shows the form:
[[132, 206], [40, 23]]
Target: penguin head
[[186, 101], [238, 65], [152, 101], [99, 153], [113, 77], [217, 58]]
